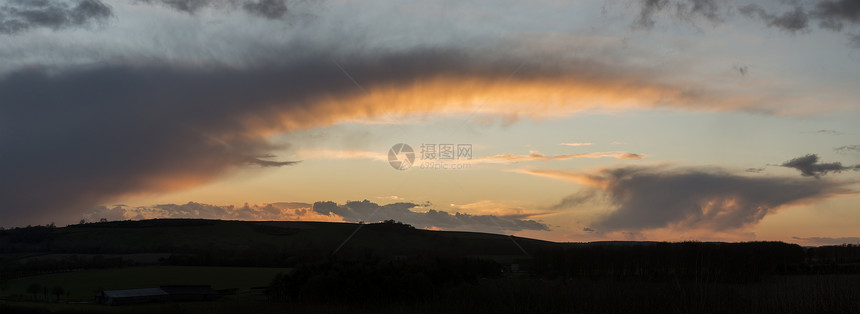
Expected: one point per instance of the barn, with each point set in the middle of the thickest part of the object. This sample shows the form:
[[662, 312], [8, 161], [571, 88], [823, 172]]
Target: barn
[[131, 296], [160, 294]]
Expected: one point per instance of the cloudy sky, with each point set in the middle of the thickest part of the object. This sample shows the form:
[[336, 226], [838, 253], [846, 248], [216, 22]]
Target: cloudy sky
[[559, 120]]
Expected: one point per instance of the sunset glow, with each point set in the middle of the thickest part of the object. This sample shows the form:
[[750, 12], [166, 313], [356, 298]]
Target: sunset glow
[[567, 121]]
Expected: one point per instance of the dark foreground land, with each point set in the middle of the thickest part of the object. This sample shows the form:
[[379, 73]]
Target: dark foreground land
[[296, 267]]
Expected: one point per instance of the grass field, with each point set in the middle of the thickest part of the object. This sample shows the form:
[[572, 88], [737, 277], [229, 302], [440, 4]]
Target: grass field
[[82, 284]]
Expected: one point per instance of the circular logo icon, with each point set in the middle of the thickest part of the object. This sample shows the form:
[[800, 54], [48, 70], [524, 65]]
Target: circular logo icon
[[401, 156]]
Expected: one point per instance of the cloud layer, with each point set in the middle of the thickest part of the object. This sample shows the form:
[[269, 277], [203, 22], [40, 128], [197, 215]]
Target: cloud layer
[[369, 212], [93, 134], [364, 211], [18, 16], [270, 211], [789, 16], [654, 197], [82, 126], [536, 156], [270, 9]]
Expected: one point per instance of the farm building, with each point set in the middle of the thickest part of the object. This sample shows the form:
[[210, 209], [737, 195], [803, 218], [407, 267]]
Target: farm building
[[160, 294], [131, 296]]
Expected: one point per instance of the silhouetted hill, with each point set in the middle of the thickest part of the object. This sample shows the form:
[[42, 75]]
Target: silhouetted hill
[[393, 267], [39, 249], [243, 243]]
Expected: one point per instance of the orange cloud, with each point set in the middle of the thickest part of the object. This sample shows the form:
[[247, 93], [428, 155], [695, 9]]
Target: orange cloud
[[575, 144], [535, 156], [568, 176], [536, 95], [169, 127], [254, 212], [341, 154], [495, 208]]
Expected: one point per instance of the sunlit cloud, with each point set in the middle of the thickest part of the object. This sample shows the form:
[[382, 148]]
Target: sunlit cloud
[[567, 176], [413, 214], [90, 117], [494, 159], [576, 144], [536, 156], [497, 208], [342, 154], [257, 212], [655, 197]]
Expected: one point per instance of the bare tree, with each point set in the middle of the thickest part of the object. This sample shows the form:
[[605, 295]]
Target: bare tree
[[58, 290], [34, 288]]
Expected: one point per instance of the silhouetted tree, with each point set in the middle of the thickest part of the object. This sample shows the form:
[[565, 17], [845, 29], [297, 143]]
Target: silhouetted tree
[[34, 289], [58, 290]]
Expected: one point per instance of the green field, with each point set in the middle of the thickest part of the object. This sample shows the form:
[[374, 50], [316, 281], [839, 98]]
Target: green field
[[82, 284]]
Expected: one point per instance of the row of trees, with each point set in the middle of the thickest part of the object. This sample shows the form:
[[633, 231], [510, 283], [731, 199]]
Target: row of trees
[[597, 277], [716, 262], [35, 289], [47, 265]]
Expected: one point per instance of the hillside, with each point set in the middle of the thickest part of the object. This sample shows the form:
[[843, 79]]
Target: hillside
[[248, 243], [391, 267]]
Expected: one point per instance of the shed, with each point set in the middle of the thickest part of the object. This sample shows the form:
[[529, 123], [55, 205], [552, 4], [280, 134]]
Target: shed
[[131, 296]]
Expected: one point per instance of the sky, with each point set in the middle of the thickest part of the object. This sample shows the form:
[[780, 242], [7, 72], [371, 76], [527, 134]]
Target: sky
[[569, 121]]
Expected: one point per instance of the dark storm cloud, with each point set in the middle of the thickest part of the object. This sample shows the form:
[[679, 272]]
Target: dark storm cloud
[[646, 15], [790, 16], [80, 138], [72, 139], [835, 14], [370, 212], [75, 138], [686, 10], [658, 197], [21, 15], [832, 15], [187, 6], [792, 21], [270, 9], [810, 167]]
